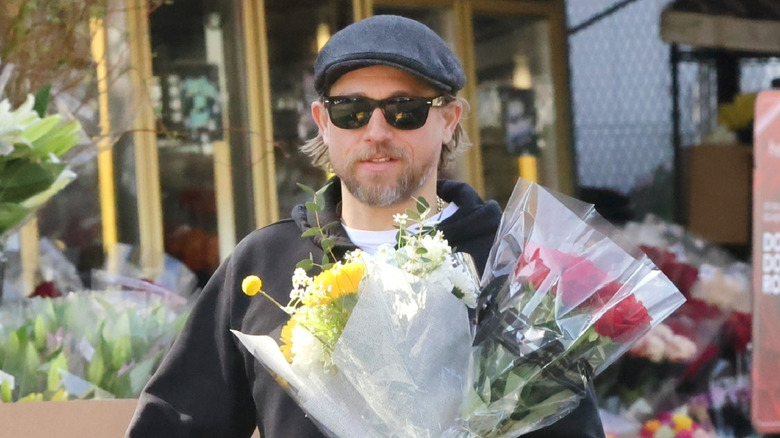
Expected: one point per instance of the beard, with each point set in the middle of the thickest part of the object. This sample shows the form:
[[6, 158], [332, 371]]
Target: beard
[[378, 190]]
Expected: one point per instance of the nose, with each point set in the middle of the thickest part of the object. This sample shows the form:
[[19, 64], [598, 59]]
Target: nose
[[377, 129]]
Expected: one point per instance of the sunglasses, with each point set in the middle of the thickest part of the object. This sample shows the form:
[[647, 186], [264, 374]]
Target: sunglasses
[[407, 113]]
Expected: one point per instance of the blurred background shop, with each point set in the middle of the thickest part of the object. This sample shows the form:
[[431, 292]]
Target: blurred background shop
[[643, 107], [587, 98]]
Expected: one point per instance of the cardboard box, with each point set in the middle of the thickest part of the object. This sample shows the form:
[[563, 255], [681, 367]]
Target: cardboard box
[[719, 192], [68, 419]]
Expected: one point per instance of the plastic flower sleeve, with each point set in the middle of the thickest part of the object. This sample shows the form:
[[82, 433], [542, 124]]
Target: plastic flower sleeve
[[563, 296]]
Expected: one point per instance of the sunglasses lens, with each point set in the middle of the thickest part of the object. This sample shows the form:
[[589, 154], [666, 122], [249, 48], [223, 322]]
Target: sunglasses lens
[[407, 113], [350, 113]]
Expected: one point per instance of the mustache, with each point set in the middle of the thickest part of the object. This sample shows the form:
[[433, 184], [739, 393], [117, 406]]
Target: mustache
[[381, 150]]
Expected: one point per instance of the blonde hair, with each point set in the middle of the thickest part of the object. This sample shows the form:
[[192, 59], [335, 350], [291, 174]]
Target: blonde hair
[[317, 150]]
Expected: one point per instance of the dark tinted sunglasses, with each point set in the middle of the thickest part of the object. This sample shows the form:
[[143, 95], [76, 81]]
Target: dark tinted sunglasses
[[352, 112]]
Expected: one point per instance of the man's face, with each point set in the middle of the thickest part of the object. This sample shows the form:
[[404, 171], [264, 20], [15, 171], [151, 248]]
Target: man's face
[[378, 164]]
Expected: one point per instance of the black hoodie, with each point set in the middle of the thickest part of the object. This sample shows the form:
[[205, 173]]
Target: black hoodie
[[208, 385]]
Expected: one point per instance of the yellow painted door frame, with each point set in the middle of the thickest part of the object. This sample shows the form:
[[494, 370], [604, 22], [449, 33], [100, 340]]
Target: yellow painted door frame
[[147, 171]]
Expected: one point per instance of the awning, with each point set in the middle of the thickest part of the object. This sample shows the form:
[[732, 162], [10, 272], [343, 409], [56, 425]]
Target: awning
[[740, 25]]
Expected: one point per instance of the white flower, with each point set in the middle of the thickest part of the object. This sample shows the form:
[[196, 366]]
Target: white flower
[[680, 349], [466, 284], [400, 219], [308, 352], [650, 346], [13, 123]]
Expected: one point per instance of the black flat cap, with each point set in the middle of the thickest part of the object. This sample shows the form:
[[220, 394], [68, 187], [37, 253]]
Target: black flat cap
[[392, 41]]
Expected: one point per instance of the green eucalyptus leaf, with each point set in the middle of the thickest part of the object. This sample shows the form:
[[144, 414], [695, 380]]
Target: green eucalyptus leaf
[[306, 189], [331, 225], [327, 245], [305, 264], [422, 205], [325, 259], [311, 232], [324, 188], [313, 207], [413, 215]]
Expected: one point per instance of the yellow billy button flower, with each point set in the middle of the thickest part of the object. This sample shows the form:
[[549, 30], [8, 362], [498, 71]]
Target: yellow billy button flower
[[251, 285]]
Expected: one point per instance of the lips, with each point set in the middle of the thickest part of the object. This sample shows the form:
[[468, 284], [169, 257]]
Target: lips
[[378, 160]]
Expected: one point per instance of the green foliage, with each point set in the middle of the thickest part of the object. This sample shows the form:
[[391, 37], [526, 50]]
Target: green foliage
[[327, 244], [108, 342], [31, 148]]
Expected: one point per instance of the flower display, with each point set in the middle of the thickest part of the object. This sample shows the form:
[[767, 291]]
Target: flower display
[[383, 345], [673, 425], [31, 148], [699, 356], [84, 345], [662, 344]]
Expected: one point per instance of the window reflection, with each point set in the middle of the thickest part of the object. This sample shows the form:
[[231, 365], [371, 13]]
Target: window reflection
[[187, 94], [515, 109], [296, 31]]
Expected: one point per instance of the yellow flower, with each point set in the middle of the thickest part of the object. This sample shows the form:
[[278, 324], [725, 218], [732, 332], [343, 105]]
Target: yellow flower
[[682, 422], [251, 285], [286, 337], [339, 281]]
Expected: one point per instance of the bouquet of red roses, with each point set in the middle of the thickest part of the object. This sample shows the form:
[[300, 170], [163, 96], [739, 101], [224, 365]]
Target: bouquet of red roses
[[563, 296]]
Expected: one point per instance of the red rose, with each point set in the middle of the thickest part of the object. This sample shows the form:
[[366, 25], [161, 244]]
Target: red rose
[[626, 318], [580, 280], [531, 271], [683, 275], [47, 289], [739, 330], [604, 294]]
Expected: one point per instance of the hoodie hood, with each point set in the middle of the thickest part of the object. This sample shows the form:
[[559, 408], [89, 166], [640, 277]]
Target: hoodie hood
[[475, 218]]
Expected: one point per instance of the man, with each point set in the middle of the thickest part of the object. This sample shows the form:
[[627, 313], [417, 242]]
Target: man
[[387, 118]]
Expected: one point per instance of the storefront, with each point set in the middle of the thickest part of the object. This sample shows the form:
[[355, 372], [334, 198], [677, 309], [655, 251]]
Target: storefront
[[208, 101]]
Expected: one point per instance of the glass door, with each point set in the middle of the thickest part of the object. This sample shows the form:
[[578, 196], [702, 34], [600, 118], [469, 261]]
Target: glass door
[[295, 32], [521, 85], [189, 97]]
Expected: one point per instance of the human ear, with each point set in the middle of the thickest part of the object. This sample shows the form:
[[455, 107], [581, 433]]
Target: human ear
[[451, 115], [320, 115]]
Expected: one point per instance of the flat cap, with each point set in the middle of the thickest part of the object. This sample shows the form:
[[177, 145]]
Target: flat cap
[[393, 41]]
